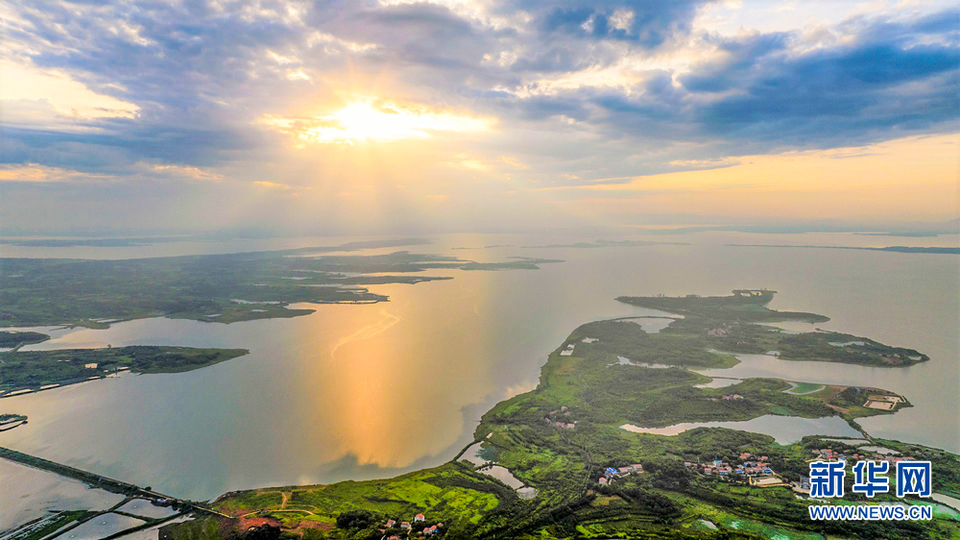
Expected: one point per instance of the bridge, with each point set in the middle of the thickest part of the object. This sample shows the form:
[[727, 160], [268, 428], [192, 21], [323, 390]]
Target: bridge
[[106, 483]]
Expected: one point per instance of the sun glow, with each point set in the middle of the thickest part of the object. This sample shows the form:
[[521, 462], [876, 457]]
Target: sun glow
[[368, 120]]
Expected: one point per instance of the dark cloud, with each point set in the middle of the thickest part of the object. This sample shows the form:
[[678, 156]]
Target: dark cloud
[[886, 80], [741, 56], [123, 143], [880, 85]]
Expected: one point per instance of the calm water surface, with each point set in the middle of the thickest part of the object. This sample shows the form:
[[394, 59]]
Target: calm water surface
[[364, 391], [30, 494], [785, 429]]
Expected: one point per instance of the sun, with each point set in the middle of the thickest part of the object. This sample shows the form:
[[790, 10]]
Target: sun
[[367, 120], [360, 121]]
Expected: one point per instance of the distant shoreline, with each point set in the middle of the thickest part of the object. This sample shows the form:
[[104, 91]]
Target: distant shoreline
[[891, 249]]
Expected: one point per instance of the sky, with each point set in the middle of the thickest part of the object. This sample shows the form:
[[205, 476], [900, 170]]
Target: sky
[[371, 117]]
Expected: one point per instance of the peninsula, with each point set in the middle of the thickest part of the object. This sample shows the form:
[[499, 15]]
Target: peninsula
[[212, 288], [29, 371]]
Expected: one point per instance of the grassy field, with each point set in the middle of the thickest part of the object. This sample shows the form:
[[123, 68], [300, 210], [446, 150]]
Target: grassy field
[[453, 494], [805, 388]]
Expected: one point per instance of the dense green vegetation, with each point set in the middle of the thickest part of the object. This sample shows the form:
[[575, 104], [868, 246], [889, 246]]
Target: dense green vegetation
[[23, 370], [212, 288], [205, 528], [744, 306], [734, 324], [560, 437], [623, 337], [13, 339]]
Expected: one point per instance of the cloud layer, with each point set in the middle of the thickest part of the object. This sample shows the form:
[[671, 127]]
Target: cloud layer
[[579, 91]]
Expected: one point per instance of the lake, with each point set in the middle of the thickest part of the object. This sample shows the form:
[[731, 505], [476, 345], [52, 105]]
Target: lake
[[784, 429], [368, 391]]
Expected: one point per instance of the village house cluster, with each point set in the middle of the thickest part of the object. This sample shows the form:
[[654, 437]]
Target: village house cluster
[[612, 473], [881, 454], [728, 397], [755, 470], [407, 527], [718, 332], [568, 350], [562, 422]]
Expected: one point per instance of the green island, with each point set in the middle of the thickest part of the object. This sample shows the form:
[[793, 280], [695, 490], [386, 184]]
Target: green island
[[9, 421], [518, 263], [735, 324], [577, 467], [16, 339], [211, 288], [27, 371]]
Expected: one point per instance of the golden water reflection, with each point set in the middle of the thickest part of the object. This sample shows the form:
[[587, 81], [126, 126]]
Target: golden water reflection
[[378, 389]]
